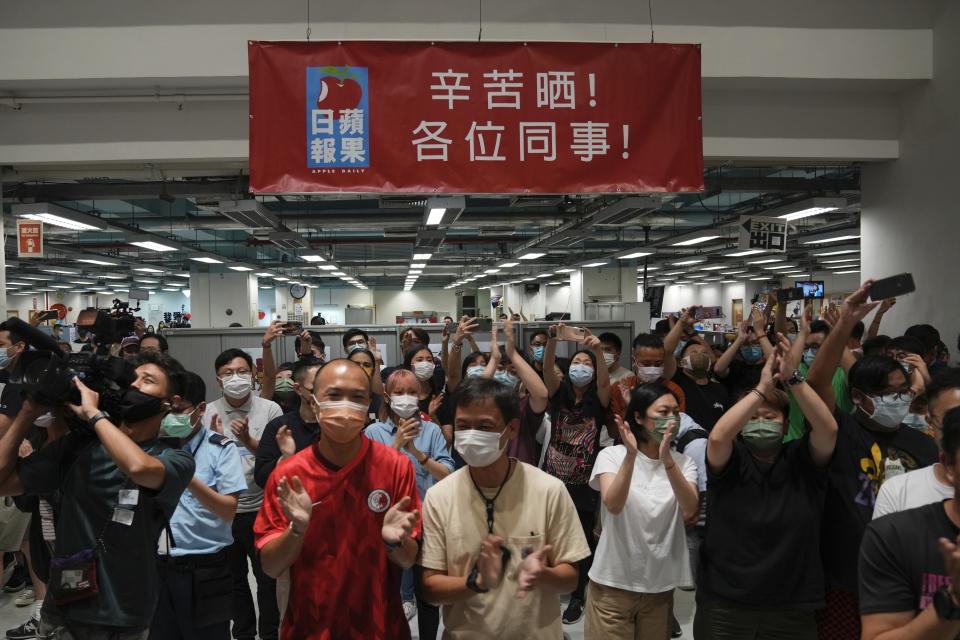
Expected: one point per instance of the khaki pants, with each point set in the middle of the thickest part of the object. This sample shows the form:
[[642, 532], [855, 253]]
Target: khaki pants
[[616, 614]]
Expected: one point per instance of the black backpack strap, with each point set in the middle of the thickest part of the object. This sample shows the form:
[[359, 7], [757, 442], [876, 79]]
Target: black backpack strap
[[688, 437]]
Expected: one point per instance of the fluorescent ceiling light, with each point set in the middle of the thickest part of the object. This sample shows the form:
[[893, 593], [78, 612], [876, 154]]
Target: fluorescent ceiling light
[[714, 268], [840, 273], [636, 254], [265, 286], [807, 208], [435, 216], [545, 275], [416, 271], [806, 213], [264, 274], [313, 258], [65, 272], [837, 253], [838, 260], [60, 286], [729, 281], [732, 273], [422, 256], [797, 275], [25, 284], [507, 265], [146, 281], [533, 255], [781, 267], [678, 282], [418, 265], [748, 252], [152, 246], [110, 277], [695, 275], [239, 267], [831, 239], [281, 278], [182, 274], [565, 270], [327, 267], [770, 277], [59, 216], [165, 289], [100, 262], [492, 271], [148, 270], [650, 268], [557, 284], [443, 210], [33, 278], [335, 273], [686, 262], [206, 259], [687, 243], [766, 261]]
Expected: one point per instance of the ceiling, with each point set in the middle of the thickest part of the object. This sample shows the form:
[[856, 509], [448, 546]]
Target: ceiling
[[366, 241]]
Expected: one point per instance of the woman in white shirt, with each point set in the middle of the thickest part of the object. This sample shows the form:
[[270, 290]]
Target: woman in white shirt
[[647, 491]]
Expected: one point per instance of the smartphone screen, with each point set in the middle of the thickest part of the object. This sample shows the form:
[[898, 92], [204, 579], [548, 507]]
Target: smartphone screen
[[573, 334]]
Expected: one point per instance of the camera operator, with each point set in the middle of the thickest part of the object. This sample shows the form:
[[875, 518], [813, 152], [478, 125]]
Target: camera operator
[[119, 486]]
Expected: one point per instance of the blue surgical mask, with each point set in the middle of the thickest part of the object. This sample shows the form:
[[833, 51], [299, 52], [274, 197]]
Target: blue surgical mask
[[506, 378], [538, 353], [809, 355], [751, 353], [580, 374], [4, 358], [891, 409], [476, 370], [356, 346]]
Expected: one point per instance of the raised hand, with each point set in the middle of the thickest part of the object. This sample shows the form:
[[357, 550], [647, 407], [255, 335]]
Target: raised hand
[[490, 562], [407, 430], [399, 522], [743, 331], [375, 350], [626, 436], [856, 307], [770, 374], [285, 442], [274, 329], [919, 368], [806, 320], [667, 439], [758, 322], [295, 502], [89, 401], [531, 568], [241, 430], [306, 343], [508, 338], [216, 424], [831, 315], [790, 356], [465, 328], [886, 305], [435, 404]]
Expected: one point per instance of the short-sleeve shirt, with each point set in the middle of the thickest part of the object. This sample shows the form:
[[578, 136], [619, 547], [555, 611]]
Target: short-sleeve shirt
[[10, 399], [705, 403], [862, 461], [195, 528], [268, 453], [841, 393], [533, 510], [430, 441], [762, 544], [126, 555], [525, 447], [911, 490], [644, 547], [343, 585], [901, 566], [258, 413]]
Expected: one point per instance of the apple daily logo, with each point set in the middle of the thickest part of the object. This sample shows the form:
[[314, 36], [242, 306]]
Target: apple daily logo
[[338, 118]]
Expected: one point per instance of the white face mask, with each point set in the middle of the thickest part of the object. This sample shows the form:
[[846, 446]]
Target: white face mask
[[44, 421], [423, 370], [649, 374], [478, 448], [609, 358], [475, 371], [404, 405], [237, 386]]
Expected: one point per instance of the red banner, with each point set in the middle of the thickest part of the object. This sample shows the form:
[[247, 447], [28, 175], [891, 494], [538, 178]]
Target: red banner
[[474, 117]]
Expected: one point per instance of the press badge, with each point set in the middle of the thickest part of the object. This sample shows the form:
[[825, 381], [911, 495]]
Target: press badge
[[129, 497], [123, 516]]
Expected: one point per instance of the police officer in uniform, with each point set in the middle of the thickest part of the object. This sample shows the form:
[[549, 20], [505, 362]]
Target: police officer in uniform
[[196, 595]]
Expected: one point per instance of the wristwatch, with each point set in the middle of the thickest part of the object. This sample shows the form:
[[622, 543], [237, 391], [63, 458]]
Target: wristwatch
[[945, 605], [426, 459], [795, 379], [92, 422], [392, 546], [472, 581]]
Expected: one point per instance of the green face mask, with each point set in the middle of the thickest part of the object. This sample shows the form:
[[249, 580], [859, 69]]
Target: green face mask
[[283, 384], [763, 436], [176, 425], [660, 425]]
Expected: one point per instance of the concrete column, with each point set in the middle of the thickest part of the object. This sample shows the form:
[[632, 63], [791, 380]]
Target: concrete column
[[628, 284], [576, 295], [212, 294], [909, 221], [3, 262]]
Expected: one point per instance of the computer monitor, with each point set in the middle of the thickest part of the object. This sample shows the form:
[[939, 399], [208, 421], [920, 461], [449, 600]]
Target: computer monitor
[[811, 288]]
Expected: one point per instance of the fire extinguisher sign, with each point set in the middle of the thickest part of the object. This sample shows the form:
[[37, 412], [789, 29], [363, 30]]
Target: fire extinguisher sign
[[29, 239], [338, 124]]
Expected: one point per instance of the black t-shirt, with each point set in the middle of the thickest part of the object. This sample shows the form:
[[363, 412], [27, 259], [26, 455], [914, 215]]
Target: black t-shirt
[[268, 452], [126, 554], [856, 473], [705, 403], [900, 563], [762, 544], [10, 400], [742, 377]]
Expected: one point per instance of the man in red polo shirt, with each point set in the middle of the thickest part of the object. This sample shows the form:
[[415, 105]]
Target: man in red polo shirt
[[343, 516]]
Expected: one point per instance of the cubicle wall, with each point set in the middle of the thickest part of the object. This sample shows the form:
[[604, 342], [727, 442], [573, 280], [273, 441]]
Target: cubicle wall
[[197, 349]]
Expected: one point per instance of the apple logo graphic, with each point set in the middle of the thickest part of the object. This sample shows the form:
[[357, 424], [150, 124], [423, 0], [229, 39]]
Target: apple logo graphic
[[338, 93]]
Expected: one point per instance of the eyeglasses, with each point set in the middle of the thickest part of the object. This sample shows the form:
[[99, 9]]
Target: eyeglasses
[[899, 395]]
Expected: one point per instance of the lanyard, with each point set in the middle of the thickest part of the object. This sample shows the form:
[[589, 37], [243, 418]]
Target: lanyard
[[489, 502]]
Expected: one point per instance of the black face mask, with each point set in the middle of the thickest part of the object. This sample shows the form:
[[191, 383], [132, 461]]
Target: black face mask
[[136, 406], [286, 398]]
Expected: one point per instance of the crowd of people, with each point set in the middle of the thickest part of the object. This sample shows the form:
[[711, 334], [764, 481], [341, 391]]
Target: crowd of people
[[801, 478]]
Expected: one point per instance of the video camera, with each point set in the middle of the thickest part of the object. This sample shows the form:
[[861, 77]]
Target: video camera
[[109, 326], [45, 374]]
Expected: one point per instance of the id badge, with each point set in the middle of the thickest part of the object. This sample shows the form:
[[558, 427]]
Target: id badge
[[129, 497], [123, 516]]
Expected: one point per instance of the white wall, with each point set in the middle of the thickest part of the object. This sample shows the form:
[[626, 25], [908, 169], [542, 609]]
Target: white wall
[[909, 221], [391, 304]]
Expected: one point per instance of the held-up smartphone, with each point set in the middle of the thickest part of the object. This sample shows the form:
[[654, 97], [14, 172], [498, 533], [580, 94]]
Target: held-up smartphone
[[788, 295], [49, 314], [292, 327], [892, 287], [706, 313], [572, 334], [484, 325]]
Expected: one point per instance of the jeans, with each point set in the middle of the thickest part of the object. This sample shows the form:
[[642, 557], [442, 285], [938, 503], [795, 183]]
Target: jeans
[[719, 619], [52, 627], [244, 615], [408, 585], [174, 617]]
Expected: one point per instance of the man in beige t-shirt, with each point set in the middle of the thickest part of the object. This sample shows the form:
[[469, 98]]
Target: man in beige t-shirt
[[501, 539]]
